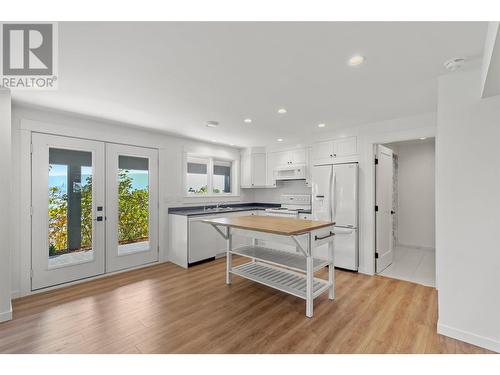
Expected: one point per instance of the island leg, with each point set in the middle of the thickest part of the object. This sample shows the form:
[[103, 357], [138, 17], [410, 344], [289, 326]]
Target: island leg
[[331, 271], [309, 287], [229, 257], [309, 279]]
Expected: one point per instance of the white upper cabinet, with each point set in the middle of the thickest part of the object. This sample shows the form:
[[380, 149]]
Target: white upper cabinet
[[259, 174], [335, 151], [253, 169], [271, 165], [281, 158], [246, 171], [345, 147], [323, 152], [298, 156], [290, 158]]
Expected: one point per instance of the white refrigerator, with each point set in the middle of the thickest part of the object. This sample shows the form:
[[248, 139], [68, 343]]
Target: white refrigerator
[[335, 198]]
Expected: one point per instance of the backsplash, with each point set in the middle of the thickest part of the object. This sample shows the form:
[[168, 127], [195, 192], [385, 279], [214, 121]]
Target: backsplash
[[283, 187]]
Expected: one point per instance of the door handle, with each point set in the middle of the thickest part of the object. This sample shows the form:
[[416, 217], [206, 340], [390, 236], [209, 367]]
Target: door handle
[[393, 212], [320, 196]]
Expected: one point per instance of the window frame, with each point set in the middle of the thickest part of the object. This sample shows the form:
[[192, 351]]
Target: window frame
[[210, 175]]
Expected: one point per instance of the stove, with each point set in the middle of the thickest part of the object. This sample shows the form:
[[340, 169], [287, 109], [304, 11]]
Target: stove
[[291, 205]]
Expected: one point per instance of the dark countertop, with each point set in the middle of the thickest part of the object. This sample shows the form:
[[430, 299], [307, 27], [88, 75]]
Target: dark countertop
[[237, 207]]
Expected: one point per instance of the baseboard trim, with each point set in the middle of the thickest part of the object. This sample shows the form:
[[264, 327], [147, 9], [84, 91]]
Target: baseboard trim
[[417, 247], [6, 315], [469, 337]]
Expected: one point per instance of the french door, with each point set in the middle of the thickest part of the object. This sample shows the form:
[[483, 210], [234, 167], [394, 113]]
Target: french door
[[94, 208], [132, 206], [67, 201]]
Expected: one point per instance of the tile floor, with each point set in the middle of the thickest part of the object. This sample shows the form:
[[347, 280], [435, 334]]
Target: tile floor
[[413, 264]]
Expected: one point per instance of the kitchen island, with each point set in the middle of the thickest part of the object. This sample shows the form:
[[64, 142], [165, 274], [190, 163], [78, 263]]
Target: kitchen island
[[289, 272]]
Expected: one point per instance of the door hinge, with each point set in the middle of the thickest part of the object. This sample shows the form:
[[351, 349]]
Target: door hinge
[[376, 161], [31, 273], [376, 208], [31, 210], [31, 148], [376, 255]]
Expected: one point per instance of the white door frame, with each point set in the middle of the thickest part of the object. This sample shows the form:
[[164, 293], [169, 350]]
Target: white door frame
[[385, 254], [368, 195], [87, 131]]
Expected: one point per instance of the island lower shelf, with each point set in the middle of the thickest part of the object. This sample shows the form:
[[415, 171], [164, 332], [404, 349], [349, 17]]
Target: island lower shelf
[[281, 279], [281, 258]]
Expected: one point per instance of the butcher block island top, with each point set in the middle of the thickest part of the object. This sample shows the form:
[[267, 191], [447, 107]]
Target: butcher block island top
[[271, 224]]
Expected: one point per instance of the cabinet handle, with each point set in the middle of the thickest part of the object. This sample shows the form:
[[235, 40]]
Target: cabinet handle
[[331, 155], [316, 238], [334, 155]]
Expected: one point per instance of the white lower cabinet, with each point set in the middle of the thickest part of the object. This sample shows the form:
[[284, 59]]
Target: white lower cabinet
[[192, 241]]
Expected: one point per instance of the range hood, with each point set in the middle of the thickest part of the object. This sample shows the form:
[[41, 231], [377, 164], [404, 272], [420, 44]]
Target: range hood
[[291, 172]]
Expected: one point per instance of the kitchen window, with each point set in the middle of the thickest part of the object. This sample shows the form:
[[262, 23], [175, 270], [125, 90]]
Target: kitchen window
[[207, 176]]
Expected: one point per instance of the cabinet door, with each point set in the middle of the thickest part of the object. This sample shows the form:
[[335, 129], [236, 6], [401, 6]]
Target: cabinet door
[[259, 170], [283, 158], [271, 166], [202, 241], [299, 156], [323, 153], [345, 147], [246, 171]]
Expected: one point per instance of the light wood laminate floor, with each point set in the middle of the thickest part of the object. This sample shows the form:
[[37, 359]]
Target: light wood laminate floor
[[167, 309]]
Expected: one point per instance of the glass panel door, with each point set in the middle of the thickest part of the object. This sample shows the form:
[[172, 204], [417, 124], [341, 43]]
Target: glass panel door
[[132, 212], [68, 204]]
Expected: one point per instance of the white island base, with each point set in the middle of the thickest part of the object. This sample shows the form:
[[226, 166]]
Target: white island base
[[292, 273]]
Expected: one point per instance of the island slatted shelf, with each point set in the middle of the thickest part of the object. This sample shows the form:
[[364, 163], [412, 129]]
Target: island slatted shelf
[[292, 273]]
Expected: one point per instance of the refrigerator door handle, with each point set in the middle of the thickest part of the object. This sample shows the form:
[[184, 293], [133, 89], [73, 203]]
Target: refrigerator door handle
[[332, 194]]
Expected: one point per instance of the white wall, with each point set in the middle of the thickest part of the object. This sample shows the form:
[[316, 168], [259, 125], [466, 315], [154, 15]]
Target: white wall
[[468, 211], [416, 193], [171, 150], [5, 197]]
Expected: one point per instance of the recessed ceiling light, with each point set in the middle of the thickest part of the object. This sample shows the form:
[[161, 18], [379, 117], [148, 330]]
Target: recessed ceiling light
[[356, 60], [280, 139], [282, 111], [231, 144], [321, 125], [212, 124], [247, 121], [214, 140], [423, 138]]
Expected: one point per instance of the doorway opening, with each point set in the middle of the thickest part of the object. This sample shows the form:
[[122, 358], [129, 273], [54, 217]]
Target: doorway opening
[[405, 211]]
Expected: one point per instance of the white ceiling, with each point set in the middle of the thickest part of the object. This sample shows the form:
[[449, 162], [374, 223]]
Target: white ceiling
[[175, 76]]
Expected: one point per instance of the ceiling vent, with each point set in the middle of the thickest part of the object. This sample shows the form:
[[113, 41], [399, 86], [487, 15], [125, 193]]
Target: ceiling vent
[[454, 64]]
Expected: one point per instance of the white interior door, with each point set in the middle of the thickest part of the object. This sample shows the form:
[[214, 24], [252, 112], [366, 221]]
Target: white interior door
[[383, 214], [132, 206], [67, 203]]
